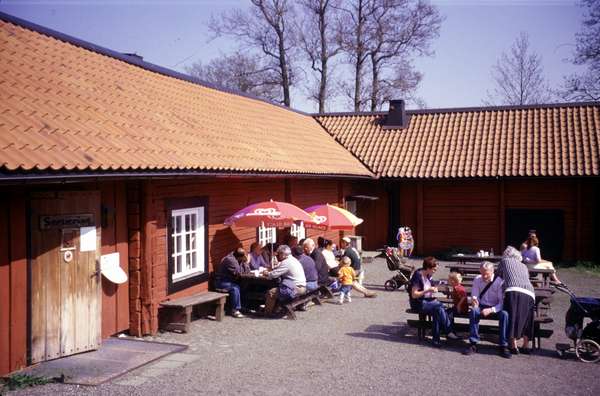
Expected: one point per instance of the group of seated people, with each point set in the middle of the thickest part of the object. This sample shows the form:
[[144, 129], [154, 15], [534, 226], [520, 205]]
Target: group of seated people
[[300, 267], [506, 295]]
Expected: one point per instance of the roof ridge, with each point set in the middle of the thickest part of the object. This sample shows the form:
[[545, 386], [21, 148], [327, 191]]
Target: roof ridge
[[133, 59], [462, 109]]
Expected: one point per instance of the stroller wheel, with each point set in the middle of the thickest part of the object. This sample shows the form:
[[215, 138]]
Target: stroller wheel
[[587, 351], [390, 285]]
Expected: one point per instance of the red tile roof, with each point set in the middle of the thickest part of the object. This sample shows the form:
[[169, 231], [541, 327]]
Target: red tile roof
[[71, 106], [552, 140]]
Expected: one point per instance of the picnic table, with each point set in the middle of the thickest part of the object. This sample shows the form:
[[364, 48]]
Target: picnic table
[[464, 258], [254, 288], [469, 268], [491, 325]]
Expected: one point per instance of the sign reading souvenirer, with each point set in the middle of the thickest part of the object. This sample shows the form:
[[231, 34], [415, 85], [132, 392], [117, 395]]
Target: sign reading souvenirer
[[66, 221]]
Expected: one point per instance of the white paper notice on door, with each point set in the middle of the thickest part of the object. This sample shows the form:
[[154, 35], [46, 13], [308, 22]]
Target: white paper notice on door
[[87, 239]]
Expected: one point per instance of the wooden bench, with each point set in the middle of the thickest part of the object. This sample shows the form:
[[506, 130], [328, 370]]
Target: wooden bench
[[290, 306], [424, 323], [186, 304]]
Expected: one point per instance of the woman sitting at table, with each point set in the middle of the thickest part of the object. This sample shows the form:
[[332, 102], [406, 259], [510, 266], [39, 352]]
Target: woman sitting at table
[[533, 258], [421, 289], [329, 255], [257, 257], [519, 299]]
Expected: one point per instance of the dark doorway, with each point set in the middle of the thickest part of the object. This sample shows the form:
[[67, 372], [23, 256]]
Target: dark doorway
[[548, 223]]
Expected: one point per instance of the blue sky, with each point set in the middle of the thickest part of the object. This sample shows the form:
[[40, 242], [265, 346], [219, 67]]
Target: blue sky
[[173, 34]]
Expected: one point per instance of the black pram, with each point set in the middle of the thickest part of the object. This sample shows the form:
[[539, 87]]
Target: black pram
[[586, 340], [397, 264]]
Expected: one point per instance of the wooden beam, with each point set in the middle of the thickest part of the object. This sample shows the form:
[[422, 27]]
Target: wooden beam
[[18, 282], [148, 227]]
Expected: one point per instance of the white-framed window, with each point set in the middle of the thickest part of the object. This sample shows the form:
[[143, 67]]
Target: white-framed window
[[298, 230], [266, 235], [187, 238]]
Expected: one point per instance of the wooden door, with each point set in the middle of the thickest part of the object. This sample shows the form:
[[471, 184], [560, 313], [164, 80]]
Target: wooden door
[[65, 281]]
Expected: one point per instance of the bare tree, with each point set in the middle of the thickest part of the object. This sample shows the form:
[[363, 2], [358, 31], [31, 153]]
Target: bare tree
[[267, 29], [318, 42], [389, 33], [587, 52], [354, 40], [519, 76], [398, 30], [240, 72], [401, 81]]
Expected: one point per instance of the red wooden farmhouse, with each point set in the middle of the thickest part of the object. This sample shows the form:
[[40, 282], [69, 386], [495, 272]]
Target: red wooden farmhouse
[[103, 153]]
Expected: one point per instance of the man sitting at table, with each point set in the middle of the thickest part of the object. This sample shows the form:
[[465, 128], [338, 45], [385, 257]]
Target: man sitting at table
[[257, 259], [227, 278], [486, 301], [320, 263], [291, 273], [309, 267]]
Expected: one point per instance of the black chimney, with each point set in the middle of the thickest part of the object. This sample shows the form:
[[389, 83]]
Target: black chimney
[[397, 117], [134, 56]]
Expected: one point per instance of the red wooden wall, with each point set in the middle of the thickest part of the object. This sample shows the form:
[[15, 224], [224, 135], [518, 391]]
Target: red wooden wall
[[225, 197], [471, 213], [13, 283], [375, 213]]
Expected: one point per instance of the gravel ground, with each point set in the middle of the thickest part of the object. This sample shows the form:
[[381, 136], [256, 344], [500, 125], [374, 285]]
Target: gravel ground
[[363, 347]]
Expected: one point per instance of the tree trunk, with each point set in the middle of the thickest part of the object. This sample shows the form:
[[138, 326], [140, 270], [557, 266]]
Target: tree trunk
[[285, 80], [374, 84], [324, 56], [359, 58]]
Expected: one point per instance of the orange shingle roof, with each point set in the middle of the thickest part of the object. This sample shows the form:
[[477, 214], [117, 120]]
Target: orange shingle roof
[[552, 140], [64, 107]]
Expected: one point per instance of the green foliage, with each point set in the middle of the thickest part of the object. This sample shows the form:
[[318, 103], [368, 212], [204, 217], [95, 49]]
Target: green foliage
[[19, 381]]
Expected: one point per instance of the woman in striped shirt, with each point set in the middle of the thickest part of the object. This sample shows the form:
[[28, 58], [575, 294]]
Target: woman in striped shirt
[[519, 299]]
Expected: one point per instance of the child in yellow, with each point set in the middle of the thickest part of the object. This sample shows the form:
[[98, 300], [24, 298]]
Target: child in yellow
[[346, 276]]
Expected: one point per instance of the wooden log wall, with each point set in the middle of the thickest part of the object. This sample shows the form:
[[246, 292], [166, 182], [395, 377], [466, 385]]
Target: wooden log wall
[[13, 282], [225, 197], [471, 213]]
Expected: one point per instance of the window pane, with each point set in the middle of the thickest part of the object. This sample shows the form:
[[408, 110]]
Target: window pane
[[194, 264], [188, 261], [187, 222], [187, 242], [193, 222], [177, 223], [177, 264], [192, 246], [178, 244]]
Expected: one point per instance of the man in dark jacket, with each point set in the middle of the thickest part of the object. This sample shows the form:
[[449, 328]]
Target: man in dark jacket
[[227, 277], [309, 267], [320, 263]]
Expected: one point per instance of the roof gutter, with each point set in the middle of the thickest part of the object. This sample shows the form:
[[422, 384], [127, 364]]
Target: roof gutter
[[7, 178]]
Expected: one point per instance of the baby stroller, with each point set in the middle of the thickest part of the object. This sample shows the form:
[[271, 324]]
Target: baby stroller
[[397, 264], [586, 340]]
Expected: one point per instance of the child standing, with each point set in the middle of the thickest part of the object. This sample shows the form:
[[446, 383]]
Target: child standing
[[459, 294], [346, 276]]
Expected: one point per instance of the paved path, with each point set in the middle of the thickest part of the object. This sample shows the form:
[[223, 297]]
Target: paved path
[[359, 348]]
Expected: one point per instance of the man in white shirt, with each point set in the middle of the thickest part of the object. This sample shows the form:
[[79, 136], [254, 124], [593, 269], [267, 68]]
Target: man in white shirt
[[292, 277], [486, 301]]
